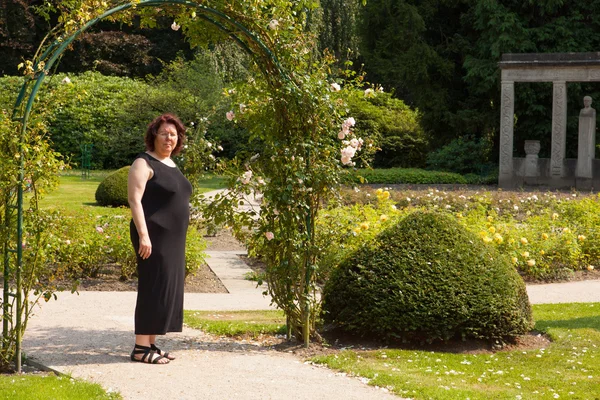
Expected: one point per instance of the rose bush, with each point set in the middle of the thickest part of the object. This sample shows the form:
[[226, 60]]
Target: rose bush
[[27, 151], [84, 244], [548, 236]]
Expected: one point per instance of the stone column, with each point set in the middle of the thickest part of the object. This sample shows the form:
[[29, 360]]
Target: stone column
[[507, 115], [559, 129]]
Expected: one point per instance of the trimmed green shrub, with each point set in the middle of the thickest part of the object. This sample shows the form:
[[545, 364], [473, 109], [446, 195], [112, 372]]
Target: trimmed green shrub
[[427, 278], [96, 111], [112, 113], [340, 231], [405, 175], [112, 191], [486, 178]]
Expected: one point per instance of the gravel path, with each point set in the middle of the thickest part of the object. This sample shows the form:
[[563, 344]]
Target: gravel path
[[567, 292], [89, 336]]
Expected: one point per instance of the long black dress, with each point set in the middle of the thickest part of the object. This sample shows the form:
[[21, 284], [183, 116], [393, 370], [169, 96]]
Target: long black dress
[[159, 307]]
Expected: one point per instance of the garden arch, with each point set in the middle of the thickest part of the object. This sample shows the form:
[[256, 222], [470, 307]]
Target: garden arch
[[40, 68]]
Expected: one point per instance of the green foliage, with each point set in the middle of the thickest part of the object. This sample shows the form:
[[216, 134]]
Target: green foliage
[[391, 125], [399, 55], [83, 244], [462, 155], [443, 58], [427, 278], [39, 164], [191, 90], [548, 236], [112, 113], [337, 28], [195, 246], [487, 178], [340, 231], [404, 175], [85, 239], [93, 110], [112, 191], [9, 89]]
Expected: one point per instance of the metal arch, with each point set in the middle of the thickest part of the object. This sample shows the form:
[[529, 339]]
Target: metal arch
[[52, 54]]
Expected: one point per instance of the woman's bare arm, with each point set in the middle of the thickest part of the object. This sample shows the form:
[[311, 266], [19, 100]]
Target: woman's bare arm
[[139, 174]]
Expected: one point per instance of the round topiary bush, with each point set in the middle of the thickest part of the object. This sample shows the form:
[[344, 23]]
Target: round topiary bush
[[112, 191], [427, 278]]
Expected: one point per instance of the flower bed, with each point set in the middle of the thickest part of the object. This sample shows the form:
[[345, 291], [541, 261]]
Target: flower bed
[[548, 235]]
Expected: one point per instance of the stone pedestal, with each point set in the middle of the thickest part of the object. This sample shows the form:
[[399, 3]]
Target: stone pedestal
[[532, 169]]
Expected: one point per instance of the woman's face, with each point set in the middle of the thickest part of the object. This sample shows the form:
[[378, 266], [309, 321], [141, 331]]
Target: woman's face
[[165, 140]]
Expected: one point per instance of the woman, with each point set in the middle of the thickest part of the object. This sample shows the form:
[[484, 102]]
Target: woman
[[158, 195]]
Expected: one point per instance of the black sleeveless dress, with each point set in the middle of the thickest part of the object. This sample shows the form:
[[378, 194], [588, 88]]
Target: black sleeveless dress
[[159, 307]]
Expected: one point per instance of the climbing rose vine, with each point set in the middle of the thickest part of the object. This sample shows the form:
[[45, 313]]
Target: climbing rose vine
[[294, 116]]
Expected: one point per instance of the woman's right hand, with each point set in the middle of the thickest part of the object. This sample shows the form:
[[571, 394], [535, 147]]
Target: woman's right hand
[[145, 247]]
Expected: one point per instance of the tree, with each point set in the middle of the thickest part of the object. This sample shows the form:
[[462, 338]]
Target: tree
[[110, 48], [130, 50], [338, 28], [18, 34], [441, 56]]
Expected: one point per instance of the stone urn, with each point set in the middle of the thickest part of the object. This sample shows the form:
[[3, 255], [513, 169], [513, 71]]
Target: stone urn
[[532, 147]]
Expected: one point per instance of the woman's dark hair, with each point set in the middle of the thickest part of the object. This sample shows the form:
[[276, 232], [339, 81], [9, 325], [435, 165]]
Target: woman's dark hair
[[152, 131]]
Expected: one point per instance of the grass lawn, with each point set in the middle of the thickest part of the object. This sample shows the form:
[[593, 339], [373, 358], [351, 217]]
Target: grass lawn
[[211, 182], [569, 368], [77, 194], [28, 387], [236, 323]]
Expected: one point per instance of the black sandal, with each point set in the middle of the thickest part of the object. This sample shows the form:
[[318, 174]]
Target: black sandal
[[160, 352], [148, 355]]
